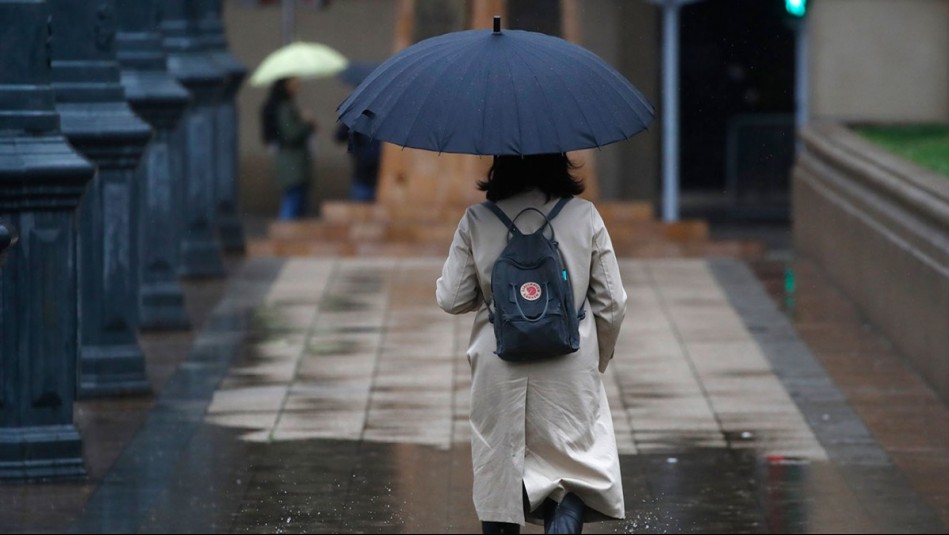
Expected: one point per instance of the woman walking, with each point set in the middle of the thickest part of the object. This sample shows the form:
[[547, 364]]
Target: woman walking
[[543, 447], [288, 129]]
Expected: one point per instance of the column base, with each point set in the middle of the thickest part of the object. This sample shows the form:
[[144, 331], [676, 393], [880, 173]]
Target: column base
[[201, 259], [106, 371], [41, 452], [231, 233], [162, 307]]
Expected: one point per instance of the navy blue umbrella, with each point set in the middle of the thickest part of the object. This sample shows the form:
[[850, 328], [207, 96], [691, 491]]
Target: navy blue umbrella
[[357, 71], [493, 92]]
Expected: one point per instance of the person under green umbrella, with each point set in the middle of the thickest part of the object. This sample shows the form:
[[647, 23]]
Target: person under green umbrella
[[288, 129]]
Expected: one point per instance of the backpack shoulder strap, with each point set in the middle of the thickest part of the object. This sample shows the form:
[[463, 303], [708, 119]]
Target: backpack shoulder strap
[[502, 216], [582, 313], [510, 224], [557, 208]]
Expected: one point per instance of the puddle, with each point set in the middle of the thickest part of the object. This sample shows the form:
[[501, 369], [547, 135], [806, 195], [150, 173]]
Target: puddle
[[341, 303], [346, 486], [331, 346]]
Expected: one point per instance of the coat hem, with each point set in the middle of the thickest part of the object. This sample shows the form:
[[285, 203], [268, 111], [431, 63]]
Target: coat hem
[[499, 516]]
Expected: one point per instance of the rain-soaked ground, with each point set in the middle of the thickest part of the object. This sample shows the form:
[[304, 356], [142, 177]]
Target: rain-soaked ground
[[331, 396], [363, 487]]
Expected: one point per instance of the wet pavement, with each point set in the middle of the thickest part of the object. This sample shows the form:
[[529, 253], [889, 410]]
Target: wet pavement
[[330, 395]]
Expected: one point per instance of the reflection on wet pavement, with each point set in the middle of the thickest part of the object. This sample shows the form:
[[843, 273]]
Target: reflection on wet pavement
[[355, 350], [331, 486], [342, 397]]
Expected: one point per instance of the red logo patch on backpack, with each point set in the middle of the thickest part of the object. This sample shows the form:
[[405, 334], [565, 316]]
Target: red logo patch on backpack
[[530, 291]]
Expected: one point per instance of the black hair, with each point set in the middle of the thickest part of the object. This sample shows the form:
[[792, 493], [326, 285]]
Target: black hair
[[550, 173], [269, 129]]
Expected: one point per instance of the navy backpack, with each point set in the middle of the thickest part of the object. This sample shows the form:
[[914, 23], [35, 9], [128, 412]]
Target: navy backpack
[[534, 315]]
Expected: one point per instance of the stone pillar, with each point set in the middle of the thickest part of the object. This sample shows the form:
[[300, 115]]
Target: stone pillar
[[98, 122], [225, 191], [156, 97], [8, 238], [193, 66], [41, 181]]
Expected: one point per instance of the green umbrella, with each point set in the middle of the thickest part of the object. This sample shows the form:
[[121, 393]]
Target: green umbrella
[[300, 59]]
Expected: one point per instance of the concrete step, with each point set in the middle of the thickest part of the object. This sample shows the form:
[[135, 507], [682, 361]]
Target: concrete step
[[269, 247], [687, 231], [348, 212], [617, 212], [613, 212], [359, 229]]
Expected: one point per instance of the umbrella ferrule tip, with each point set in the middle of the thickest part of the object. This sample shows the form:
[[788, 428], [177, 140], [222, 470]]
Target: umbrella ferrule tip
[[497, 24]]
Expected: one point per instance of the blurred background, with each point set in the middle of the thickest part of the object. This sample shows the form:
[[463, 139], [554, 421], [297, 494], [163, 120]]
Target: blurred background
[[868, 61]]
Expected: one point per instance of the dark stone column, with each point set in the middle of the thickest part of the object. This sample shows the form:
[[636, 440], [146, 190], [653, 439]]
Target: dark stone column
[[8, 238], [225, 210], [41, 181], [192, 65], [156, 97], [98, 122]]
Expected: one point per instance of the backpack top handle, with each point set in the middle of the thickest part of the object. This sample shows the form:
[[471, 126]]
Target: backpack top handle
[[512, 226]]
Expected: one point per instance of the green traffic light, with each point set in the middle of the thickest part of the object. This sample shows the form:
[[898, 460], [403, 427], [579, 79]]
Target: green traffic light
[[796, 7]]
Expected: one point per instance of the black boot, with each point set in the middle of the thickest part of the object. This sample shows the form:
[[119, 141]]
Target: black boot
[[550, 507], [500, 527], [566, 517]]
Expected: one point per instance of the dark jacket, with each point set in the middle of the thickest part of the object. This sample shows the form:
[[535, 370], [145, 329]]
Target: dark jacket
[[366, 154], [293, 165]]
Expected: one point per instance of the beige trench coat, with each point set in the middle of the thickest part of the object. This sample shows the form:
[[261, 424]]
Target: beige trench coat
[[545, 424]]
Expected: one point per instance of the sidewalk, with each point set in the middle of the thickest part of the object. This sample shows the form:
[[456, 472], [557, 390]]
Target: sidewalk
[[331, 395]]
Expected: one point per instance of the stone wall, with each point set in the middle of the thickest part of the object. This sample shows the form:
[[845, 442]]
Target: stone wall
[[879, 227], [879, 60]]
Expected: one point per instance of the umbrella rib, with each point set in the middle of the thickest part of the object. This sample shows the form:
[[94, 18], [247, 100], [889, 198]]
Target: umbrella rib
[[553, 65], [562, 147], [381, 92], [456, 109], [403, 62], [520, 134], [597, 68], [428, 94], [605, 69]]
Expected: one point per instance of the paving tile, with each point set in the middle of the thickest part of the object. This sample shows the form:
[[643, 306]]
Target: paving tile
[[244, 419], [256, 398]]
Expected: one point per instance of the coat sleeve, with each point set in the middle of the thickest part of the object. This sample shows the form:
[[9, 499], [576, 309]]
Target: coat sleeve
[[457, 290], [606, 295]]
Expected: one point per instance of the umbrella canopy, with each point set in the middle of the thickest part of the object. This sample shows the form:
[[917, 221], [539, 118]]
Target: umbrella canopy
[[357, 71], [494, 93], [300, 59]]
